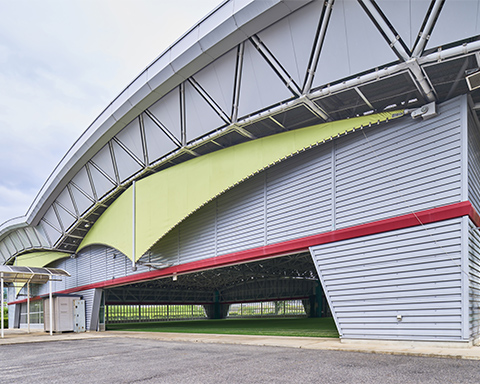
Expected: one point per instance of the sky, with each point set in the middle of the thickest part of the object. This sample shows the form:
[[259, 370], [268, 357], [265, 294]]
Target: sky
[[61, 63]]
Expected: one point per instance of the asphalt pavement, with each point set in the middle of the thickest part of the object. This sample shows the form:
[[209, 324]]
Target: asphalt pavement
[[121, 359]]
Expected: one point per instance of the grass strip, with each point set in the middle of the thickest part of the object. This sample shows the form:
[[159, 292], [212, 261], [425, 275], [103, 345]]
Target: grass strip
[[307, 327]]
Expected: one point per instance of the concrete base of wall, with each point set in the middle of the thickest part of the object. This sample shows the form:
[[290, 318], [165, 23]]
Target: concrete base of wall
[[409, 343]]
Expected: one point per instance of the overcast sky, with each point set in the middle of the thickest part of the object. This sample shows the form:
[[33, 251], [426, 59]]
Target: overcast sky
[[61, 63]]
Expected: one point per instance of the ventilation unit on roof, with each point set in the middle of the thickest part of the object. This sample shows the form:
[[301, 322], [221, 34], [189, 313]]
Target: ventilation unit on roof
[[473, 80]]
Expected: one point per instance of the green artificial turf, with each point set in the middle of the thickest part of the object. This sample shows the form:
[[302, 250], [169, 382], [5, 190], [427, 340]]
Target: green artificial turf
[[311, 327]]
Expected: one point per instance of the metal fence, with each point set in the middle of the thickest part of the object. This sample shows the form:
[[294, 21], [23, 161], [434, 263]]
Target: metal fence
[[267, 309], [137, 313], [146, 313]]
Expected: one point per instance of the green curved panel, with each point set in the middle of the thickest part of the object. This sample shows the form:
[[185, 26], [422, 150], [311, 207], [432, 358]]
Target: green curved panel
[[36, 259], [39, 259], [166, 198]]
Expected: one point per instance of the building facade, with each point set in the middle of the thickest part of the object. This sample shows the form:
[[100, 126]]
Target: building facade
[[320, 151]]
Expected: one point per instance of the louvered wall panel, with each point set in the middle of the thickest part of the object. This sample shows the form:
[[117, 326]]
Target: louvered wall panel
[[166, 250], [88, 297], [473, 162], [83, 268], [119, 264], [474, 269], [62, 283], [197, 235], [98, 260], [299, 196], [71, 267], [404, 166], [241, 217], [413, 272]]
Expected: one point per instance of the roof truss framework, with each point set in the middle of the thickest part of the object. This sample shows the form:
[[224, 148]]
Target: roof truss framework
[[286, 277]]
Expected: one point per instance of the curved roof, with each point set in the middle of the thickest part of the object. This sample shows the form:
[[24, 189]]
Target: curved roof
[[247, 70]]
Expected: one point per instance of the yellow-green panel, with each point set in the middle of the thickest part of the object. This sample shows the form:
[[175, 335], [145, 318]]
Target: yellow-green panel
[[114, 227], [39, 259], [36, 260], [166, 198]]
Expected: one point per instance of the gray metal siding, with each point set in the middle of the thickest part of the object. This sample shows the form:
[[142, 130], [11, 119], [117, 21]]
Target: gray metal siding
[[197, 235], [299, 196], [413, 272], [398, 168], [166, 250], [99, 258], [474, 274], [88, 297], [473, 162], [241, 217]]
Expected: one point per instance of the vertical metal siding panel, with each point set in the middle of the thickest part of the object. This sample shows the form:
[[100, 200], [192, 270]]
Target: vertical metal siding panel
[[197, 235], [165, 251], [474, 273], [59, 283], [98, 256], [413, 272], [83, 268], [88, 297], [241, 216], [110, 262], [406, 165], [473, 162], [299, 196], [120, 262], [71, 267]]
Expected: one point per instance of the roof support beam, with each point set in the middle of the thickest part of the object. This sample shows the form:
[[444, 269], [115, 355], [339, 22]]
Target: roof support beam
[[317, 47], [276, 66], [427, 27], [238, 82], [163, 128], [209, 100], [421, 79], [144, 139], [314, 108], [386, 29]]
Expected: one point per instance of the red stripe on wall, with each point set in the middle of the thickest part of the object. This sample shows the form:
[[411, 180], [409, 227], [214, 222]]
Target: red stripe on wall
[[295, 246]]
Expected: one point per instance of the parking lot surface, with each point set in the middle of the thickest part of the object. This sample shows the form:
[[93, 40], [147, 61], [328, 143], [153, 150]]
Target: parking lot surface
[[135, 360]]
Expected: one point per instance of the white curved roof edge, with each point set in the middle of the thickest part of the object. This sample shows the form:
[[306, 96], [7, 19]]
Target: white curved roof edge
[[225, 27], [11, 225]]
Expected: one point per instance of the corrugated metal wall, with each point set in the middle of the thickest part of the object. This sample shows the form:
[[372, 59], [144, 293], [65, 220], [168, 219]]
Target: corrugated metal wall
[[414, 272], [94, 264], [474, 272], [88, 297], [394, 170], [473, 162]]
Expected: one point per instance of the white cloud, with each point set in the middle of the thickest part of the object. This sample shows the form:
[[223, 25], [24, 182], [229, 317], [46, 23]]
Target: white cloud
[[61, 63]]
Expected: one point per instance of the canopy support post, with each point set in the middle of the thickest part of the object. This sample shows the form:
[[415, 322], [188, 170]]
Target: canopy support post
[[2, 302], [28, 307], [134, 267], [50, 305]]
